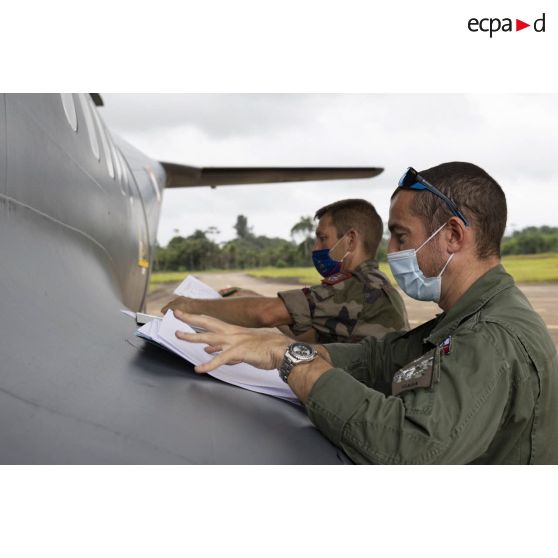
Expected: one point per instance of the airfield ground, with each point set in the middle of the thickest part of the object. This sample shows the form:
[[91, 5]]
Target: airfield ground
[[543, 297]]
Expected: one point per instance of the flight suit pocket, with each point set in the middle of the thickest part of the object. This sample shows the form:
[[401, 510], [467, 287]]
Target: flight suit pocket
[[415, 383]]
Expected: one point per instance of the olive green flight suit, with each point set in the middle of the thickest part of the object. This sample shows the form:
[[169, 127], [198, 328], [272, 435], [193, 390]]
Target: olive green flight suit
[[347, 307], [478, 384]]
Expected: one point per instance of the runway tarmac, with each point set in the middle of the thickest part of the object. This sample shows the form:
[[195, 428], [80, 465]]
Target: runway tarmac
[[544, 298]]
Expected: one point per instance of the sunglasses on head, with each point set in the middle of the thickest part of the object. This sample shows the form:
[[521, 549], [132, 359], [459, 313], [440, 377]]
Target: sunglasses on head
[[412, 180]]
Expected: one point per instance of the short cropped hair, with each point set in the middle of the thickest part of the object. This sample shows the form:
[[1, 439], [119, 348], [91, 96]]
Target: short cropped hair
[[475, 193], [359, 215]]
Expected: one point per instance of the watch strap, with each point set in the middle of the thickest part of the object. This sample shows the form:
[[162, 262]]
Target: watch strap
[[289, 362]]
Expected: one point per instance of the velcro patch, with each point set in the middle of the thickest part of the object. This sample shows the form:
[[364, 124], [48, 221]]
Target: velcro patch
[[417, 374], [336, 278], [446, 346]]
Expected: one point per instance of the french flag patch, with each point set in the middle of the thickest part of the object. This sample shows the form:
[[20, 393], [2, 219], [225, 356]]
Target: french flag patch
[[446, 346]]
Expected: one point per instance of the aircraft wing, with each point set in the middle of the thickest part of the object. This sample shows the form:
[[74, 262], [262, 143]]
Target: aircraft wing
[[183, 176]]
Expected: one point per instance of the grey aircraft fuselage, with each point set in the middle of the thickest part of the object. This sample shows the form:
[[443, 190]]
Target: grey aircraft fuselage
[[79, 211]]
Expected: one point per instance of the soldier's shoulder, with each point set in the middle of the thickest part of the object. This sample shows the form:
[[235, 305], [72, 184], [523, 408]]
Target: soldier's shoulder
[[370, 275]]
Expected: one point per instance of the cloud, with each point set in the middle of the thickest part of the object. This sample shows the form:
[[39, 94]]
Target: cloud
[[514, 137], [216, 116]]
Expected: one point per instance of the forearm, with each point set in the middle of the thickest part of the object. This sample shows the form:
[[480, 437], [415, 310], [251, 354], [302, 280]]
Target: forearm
[[229, 310], [323, 353], [244, 311], [286, 330], [354, 358], [419, 426], [304, 376], [309, 336], [371, 361]]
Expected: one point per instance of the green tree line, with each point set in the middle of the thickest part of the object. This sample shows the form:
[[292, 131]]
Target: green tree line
[[531, 240], [200, 251]]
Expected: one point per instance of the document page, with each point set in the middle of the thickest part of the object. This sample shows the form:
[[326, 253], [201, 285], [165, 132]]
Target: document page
[[194, 288], [242, 375]]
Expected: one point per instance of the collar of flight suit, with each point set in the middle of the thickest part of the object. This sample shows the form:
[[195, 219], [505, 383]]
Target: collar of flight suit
[[366, 264], [363, 270], [478, 295]]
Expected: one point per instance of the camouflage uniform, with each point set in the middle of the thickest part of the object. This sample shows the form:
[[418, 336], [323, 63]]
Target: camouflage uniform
[[477, 384], [347, 307]]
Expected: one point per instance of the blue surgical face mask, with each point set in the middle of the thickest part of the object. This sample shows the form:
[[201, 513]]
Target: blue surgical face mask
[[324, 263], [407, 273]]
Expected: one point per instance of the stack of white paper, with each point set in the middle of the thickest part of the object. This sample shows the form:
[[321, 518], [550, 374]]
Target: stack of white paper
[[241, 375], [192, 287]]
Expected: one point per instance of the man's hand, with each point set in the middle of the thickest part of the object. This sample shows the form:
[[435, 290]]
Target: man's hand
[[234, 343], [182, 303], [261, 349]]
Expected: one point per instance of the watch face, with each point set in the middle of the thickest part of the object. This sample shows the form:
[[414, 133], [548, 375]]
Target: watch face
[[302, 350]]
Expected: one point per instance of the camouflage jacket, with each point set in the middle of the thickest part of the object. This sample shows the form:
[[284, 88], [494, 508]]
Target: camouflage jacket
[[347, 307]]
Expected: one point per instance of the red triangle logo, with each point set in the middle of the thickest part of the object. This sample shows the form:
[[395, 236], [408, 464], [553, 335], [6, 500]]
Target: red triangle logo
[[519, 25]]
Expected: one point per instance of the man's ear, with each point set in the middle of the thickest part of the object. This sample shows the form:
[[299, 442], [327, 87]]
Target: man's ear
[[352, 236], [455, 234]]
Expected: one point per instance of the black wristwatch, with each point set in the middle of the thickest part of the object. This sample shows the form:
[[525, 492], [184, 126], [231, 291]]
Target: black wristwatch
[[296, 353]]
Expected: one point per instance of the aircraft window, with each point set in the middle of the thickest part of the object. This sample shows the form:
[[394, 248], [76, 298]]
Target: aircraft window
[[123, 168], [128, 183], [70, 109], [86, 109], [153, 181], [105, 143], [126, 177], [117, 166], [129, 177]]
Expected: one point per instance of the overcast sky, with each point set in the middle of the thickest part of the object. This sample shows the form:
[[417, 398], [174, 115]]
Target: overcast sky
[[513, 137]]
